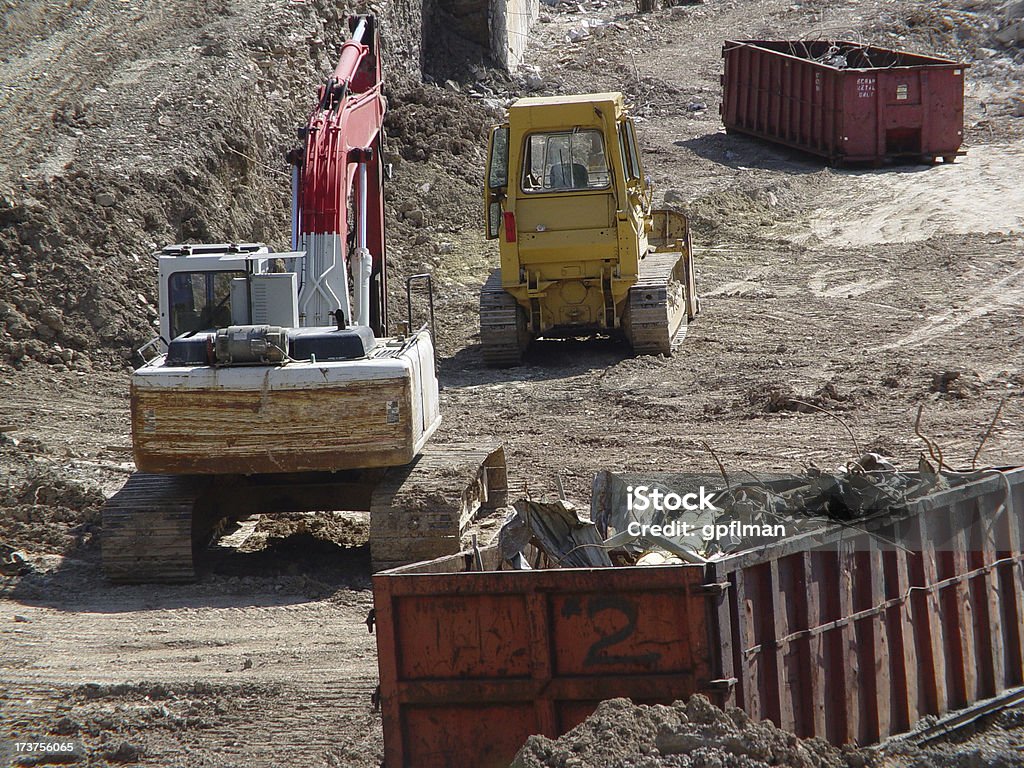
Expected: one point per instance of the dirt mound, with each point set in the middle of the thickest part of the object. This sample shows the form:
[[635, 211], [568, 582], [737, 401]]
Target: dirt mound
[[695, 733], [99, 716], [772, 397], [436, 145], [128, 153], [956, 385], [41, 510], [273, 531]]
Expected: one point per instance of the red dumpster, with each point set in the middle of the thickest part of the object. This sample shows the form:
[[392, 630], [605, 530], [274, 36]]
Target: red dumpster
[[834, 635], [844, 101]]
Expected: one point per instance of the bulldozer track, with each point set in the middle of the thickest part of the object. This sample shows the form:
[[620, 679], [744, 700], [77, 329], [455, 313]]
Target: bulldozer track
[[150, 527], [502, 327], [655, 321], [419, 511]]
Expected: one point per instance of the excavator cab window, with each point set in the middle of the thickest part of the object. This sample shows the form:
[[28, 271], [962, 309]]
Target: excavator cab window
[[566, 161], [200, 301]]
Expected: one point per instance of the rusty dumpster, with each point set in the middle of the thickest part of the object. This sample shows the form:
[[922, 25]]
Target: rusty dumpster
[[850, 634], [848, 102]]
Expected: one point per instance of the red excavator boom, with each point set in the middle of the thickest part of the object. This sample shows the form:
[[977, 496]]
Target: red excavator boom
[[338, 201]]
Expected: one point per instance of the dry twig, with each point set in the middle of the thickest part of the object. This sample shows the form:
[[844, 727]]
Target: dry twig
[[991, 426], [853, 437]]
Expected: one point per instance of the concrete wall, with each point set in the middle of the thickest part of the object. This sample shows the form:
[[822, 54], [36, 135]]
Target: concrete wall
[[510, 22], [458, 33]]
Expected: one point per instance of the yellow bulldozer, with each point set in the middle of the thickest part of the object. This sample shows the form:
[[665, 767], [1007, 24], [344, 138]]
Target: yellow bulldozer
[[582, 251]]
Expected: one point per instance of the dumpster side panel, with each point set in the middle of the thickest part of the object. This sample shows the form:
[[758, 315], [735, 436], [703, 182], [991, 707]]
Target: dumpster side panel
[[859, 139], [475, 638], [853, 641], [782, 98], [837, 635], [922, 110], [484, 735], [471, 664]]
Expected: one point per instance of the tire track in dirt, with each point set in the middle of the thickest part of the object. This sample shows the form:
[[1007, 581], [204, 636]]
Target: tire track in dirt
[[270, 674], [1007, 293], [979, 193]]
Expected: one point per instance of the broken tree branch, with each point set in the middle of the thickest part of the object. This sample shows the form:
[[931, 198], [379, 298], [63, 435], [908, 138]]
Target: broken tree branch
[[933, 447], [853, 437], [991, 426]]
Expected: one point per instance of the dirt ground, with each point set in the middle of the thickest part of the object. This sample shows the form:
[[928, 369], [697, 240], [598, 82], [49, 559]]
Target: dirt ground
[[877, 292]]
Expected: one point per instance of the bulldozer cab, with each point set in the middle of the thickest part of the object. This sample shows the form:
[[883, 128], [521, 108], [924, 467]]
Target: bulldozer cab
[[565, 190], [561, 164], [566, 199]]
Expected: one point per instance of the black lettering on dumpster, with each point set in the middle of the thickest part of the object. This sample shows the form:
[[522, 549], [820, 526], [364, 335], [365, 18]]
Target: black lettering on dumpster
[[627, 609]]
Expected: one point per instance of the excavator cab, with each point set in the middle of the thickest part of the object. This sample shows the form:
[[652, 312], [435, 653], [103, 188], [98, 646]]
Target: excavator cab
[[567, 201]]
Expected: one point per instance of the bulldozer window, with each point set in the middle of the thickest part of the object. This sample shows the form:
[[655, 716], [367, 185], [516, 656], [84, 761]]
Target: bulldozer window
[[497, 167], [200, 301], [567, 161], [627, 144]]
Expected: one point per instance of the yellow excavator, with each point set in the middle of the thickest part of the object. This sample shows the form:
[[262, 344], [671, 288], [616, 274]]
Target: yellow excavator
[[582, 251]]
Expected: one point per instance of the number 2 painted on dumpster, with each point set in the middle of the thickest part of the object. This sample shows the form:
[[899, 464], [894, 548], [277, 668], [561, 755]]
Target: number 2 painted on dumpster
[[597, 653]]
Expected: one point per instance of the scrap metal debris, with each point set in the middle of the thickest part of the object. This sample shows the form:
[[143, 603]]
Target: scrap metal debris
[[557, 530], [628, 529], [12, 562]]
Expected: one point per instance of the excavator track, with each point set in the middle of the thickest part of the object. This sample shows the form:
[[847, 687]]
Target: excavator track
[[503, 331], [655, 321], [150, 527], [419, 511], [154, 526]]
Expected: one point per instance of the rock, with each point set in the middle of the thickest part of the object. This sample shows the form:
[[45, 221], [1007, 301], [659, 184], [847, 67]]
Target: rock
[[674, 196], [697, 106], [106, 199], [534, 82], [53, 318], [22, 619], [576, 34], [126, 752], [43, 331], [18, 326], [65, 727], [415, 217], [1012, 34]]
